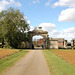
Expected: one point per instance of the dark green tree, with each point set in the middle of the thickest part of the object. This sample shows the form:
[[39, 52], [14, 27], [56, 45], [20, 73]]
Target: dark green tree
[[13, 27]]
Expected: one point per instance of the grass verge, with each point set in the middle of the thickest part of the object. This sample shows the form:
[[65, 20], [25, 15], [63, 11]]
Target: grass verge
[[11, 60], [58, 66]]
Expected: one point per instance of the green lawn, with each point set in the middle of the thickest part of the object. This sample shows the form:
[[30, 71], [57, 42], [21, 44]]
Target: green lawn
[[10, 60], [58, 66]]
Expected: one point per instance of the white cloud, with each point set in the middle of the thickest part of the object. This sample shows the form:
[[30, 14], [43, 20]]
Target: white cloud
[[69, 3], [70, 30], [31, 28], [36, 37], [48, 3], [36, 1], [47, 26], [5, 3], [18, 4], [28, 22], [55, 32], [67, 15], [67, 34]]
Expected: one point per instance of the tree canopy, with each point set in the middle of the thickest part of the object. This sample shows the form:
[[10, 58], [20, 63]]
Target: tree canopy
[[13, 26]]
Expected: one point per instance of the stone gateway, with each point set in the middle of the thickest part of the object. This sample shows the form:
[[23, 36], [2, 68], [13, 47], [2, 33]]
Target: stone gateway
[[44, 34], [51, 43]]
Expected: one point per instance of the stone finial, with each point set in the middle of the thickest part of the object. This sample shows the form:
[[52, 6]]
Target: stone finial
[[40, 28], [35, 28]]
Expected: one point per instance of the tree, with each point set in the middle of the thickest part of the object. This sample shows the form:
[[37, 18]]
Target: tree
[[13, 27]]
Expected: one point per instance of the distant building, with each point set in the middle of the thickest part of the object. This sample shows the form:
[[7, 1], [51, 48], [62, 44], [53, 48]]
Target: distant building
[[40, 42], [56, 43]]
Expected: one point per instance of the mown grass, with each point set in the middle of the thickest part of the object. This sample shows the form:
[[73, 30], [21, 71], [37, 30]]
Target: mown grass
[[10, 60], [58, 66]]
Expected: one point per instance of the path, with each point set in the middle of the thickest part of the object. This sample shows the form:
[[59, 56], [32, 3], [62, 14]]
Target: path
[[32, 64]]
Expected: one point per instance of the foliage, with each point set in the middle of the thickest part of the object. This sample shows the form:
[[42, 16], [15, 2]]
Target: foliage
[[13, 27], [6, 46]]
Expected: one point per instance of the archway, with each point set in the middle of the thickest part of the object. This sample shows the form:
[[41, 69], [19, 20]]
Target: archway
[[44, 34], [38, 42]]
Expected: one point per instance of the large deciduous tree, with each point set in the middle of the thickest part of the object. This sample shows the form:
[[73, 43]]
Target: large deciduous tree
[[13, 26]]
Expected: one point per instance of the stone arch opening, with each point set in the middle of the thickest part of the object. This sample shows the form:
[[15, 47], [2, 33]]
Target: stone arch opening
[[42, 33], [38, 41]]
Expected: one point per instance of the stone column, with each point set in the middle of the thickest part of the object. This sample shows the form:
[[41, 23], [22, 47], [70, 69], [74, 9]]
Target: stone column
[[72, 44], [48, 43], [65, 44], [44, 43]]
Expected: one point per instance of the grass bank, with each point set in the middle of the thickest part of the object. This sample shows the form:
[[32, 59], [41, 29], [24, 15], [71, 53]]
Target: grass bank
[[58, 66], [11, 60]]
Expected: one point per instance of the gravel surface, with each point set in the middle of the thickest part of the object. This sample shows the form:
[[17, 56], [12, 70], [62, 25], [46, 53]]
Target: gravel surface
[[32, 64]]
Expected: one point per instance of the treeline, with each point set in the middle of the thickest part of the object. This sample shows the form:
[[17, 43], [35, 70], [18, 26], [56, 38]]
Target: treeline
[[12, 28]]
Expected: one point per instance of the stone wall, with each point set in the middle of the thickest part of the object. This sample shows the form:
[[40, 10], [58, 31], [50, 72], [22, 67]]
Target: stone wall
[[53, 44], [73, 43], [58, 43]]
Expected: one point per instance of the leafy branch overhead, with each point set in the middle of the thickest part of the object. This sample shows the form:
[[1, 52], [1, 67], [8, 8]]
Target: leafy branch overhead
[[13, 26]]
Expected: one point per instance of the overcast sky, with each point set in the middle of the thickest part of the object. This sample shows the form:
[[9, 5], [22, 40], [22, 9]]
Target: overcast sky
[[55, 16]]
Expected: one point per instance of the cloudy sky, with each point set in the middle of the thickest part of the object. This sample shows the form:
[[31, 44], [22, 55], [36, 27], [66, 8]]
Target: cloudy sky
[[55, 16]]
